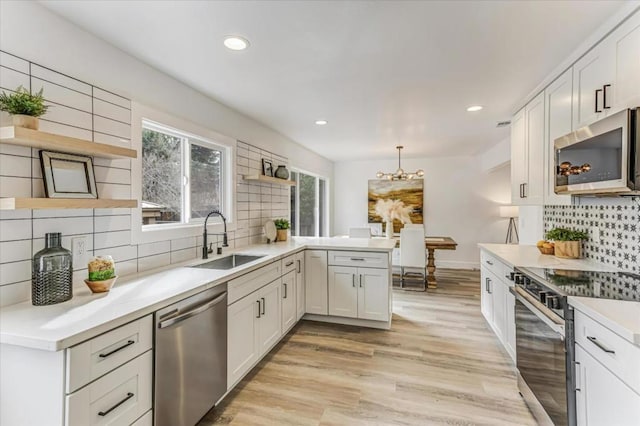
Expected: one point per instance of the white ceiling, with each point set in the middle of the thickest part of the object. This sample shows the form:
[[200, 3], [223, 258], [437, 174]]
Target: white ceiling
[[382, 73]]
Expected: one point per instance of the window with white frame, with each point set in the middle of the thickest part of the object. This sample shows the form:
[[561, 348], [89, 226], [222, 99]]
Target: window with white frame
[[309, 205], [182, 176]]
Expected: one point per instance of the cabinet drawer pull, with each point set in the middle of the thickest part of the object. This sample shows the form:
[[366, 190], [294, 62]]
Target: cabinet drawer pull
[[604, 96], [600, 345], [285, 290], [353, 279], [259, 308], [126, 398], [360, 280], [578, 380], [299, 266], [597, 110], [359, 259], [489, 262], [289, 264], [129, 343], [264, 305]]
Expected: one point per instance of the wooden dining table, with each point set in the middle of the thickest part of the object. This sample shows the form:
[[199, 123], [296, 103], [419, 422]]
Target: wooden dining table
[[432, 244]]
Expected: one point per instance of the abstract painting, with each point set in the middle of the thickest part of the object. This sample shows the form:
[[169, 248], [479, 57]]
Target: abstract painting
[[410, 192]]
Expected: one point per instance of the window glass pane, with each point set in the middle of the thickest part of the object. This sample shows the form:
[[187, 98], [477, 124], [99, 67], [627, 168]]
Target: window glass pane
[[294, 177], [307, 188], [206, 181], [322, 197], [161, 178]]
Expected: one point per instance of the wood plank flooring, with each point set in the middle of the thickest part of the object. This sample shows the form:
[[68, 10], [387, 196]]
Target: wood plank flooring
[[439, 364]]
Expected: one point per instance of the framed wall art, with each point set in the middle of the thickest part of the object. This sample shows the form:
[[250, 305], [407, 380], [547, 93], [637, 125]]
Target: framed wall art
[[68, 175], [267, 168]]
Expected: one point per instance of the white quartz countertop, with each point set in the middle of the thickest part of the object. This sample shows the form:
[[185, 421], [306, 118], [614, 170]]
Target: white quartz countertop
[[621, 317], [66, 324]]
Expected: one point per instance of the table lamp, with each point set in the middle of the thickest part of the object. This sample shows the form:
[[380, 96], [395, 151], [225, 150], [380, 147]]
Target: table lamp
[[511, 212]]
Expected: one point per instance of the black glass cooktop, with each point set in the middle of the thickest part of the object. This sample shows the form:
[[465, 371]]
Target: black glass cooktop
[[603, 285]]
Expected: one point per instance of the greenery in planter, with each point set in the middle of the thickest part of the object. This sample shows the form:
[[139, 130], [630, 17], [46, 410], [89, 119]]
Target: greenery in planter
[[564, 234], [282, 223], [23, 103]]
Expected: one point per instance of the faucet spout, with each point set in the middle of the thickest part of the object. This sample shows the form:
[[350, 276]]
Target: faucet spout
[[225, 241]]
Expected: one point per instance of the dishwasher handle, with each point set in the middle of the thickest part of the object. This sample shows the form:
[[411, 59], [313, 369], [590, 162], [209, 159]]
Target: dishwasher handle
[[196, 311]]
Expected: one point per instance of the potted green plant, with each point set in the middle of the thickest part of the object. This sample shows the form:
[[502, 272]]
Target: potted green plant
[[568, 242], [282, 225], [24, 107]]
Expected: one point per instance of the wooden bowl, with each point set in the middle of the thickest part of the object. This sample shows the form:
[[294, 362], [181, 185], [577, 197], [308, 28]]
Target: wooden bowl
[[101, 286], [545, 250]]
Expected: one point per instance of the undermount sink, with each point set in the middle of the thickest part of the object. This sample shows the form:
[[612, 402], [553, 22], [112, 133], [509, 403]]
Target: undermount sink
[[229, 262]]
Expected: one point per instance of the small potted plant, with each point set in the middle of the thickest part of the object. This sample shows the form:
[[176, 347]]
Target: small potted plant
[[567, 242], [24, 107], [282, 225]]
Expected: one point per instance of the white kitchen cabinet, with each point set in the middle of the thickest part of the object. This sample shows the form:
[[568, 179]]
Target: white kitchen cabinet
[[601, 397], [316, 291], [289, 301], [607, 79], [359, 292], [499, 297], [486, 299], [343, 291], [269, 321], [300, 285], [242, 338], [527, 153], [373, 294], [558, 103], [510, 324]]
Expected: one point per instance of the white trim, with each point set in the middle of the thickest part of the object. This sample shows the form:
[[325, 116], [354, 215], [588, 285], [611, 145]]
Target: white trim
[[141, 112], [316, 208]]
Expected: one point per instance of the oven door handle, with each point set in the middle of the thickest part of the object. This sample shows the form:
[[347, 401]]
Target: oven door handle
[[545, 314]]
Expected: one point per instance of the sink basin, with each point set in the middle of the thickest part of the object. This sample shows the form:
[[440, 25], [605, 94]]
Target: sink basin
[[229, 262]]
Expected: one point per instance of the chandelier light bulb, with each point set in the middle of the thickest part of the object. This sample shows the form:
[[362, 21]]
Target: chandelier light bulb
[[379, 175], [420, 173]]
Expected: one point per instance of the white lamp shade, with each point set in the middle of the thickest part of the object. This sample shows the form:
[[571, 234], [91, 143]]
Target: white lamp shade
[[509, 211]]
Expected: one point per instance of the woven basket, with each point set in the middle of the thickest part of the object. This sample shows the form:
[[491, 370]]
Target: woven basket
[[546, 250]]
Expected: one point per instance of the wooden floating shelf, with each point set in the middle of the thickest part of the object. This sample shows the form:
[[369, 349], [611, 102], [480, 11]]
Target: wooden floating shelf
[[269, 179], [65, 203], [14, 135]]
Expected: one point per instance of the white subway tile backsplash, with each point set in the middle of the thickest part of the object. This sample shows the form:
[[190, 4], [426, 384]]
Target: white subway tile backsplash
[[152, 262], [61, 79], [12, 165], [15, 272], [119, 254], [11, 230], [111, 97], [150, 249], [112, 223], [14, 251], [11, 61], [111, 127], [62, 129], [183, 255], [62, 213], [112, 239], [15, 187], [112, 175], [67, 226], [114, 191], [15, 293], [127, 268], [11, 79], [112, 111], [62, 96], [69, 116], [183, 243]]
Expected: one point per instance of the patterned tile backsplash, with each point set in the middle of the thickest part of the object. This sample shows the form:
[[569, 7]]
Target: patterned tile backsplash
[[618, 221], [85, 111]]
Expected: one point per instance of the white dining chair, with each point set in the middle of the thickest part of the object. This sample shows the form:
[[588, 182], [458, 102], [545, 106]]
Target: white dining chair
[[413, 253], [359, 232]]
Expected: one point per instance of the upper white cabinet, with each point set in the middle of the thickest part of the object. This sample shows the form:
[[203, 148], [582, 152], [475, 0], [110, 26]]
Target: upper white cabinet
[[316, 295], [527, 153], [607, 79], [558, 102]]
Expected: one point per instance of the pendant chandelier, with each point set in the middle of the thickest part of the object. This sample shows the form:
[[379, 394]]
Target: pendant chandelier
[[400, 174]]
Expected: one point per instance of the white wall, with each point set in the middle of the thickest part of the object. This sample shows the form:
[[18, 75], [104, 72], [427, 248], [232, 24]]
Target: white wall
[[56, 43], [460, 201]]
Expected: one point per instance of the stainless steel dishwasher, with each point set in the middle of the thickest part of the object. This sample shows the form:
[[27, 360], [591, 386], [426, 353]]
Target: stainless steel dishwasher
[[190, 357]]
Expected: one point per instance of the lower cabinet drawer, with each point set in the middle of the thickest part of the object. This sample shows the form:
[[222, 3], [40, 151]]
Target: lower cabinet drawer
[[96, 357], [359, 259], [288, 264], [618, 355], [146, 420], [119, 398]]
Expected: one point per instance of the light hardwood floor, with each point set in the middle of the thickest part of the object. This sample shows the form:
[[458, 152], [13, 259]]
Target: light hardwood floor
[[439, 364]]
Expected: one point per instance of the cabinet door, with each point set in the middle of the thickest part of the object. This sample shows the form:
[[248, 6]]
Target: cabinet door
[[316, 293], [558, 96], [343, 291], [300, 287], [510, 325], [288, 291], [601, 398], [373, 294], [625, 47], [590, 74], [534, 119], [497, 289], [242, 337], [519, 165], [486, 300], [269, 323]]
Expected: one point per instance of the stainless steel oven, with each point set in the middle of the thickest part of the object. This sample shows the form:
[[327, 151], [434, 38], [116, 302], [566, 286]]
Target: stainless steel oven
[[544, 351]]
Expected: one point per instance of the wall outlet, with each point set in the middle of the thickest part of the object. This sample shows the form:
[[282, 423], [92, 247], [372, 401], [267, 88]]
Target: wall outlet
[[595, 234], [79, 251]]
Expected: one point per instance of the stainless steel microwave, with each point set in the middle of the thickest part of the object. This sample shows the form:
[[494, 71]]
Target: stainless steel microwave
[[602, 158]]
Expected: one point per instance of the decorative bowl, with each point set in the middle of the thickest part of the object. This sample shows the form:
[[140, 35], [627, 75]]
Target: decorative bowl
[[547, 250], [101, 286]]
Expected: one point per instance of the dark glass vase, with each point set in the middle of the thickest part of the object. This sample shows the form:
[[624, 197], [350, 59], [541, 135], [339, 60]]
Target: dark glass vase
[[52, 269], [282, 172]]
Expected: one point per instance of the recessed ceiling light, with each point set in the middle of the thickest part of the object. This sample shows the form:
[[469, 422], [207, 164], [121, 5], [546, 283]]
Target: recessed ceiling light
[[236, 43], [321, 122], [474, 108]]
